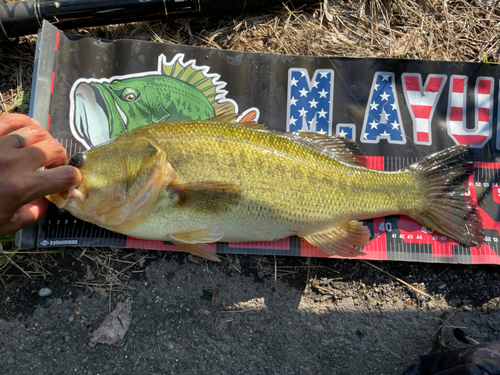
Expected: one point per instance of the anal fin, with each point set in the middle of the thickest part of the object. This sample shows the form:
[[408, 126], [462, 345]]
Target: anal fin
[[199, 249], [195, 242], [342, 240], [195, 236]]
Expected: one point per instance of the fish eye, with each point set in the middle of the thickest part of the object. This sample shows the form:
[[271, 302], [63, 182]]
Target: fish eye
[[129, 97], [129, 94], [77, 160]]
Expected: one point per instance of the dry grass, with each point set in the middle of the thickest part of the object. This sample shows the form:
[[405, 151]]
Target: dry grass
[[443, 30], [446, 30], [435, 29]]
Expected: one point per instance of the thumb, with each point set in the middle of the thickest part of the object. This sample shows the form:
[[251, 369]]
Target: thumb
[[53, 180]]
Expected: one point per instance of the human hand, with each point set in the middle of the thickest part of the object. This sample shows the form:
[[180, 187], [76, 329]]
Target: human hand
[[25, 147]]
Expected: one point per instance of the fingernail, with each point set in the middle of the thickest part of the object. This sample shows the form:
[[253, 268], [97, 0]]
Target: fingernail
[[70, 175], [76, 176]]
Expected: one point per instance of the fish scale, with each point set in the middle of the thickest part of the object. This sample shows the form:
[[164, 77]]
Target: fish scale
[[209, 180], [298, 189]]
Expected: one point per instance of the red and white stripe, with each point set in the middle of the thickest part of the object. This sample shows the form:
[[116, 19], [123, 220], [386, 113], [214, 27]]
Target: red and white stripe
[[457, 104], [422, 102]]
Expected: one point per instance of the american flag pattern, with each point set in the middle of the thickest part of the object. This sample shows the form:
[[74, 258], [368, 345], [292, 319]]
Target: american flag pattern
[[382, 115], [347, 131], [457, 112], [310, 102], [422, 101]]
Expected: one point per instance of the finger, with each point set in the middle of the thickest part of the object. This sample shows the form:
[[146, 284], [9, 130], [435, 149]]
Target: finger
[[14, 121], [28, 214], [24, 137], [47, 153], [39, 184]]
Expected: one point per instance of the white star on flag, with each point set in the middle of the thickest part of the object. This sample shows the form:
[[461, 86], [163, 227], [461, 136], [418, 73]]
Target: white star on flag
[[303, 92], [313, 103], [302, 112], [322, 113], [385, 96]]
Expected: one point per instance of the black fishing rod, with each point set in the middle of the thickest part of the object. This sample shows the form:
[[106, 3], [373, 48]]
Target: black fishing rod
[[26, 17]]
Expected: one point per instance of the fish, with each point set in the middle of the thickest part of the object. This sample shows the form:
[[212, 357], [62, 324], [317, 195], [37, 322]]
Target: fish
[[102, 109], [194, 182]]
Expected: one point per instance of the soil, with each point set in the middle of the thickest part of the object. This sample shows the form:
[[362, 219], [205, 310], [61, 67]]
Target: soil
[[247, 315]]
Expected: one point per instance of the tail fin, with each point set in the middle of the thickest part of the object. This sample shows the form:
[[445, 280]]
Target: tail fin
[[447, 212]]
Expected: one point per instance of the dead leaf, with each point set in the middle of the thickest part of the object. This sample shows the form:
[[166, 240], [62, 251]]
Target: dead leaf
[[215, 293], [326, 10], [114, 327], [90, 275], [404, 44]]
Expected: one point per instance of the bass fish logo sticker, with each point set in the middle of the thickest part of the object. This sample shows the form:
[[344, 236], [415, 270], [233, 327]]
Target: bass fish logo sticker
[[103, 108]]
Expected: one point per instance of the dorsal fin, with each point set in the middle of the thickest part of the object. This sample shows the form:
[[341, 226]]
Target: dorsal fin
[[333, 146], [200, 79], [230, 118]]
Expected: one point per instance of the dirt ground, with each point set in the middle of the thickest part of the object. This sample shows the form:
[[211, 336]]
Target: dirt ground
[[198, 317], [249, 314]]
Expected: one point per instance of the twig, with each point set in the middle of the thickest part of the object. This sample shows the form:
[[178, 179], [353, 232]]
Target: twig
[[275, 268], [14, 263], [306, 289], [231, 263], [390, 351], [443, 297], [323, 289], [110, 292], [398, 279], [3, 103], [444, 322]]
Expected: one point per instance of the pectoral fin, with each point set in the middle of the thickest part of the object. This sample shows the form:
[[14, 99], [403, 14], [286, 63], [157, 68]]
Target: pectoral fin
[[206, 197], [342, 240]]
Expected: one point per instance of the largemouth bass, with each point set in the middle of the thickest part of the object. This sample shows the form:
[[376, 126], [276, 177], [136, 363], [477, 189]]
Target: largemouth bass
[[193, 182]]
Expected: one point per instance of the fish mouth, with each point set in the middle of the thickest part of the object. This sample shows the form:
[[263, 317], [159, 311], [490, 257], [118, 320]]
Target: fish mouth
[[91, 115], [73, 195]]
